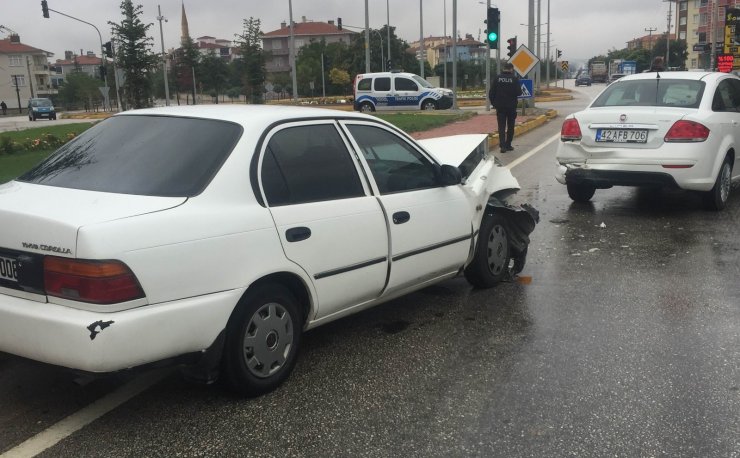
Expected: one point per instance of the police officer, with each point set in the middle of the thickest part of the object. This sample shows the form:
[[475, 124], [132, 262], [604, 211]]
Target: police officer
[[503, 96]]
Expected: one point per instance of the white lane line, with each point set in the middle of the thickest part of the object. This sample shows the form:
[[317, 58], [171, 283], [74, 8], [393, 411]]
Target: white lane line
[[521, 159], [73, 423]]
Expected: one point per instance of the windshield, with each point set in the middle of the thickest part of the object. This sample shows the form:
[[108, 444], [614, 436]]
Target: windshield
[[422, 81], [143, 155], [661, 92], [40, 103]]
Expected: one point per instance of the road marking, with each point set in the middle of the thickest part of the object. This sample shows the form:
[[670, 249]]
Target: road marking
[[521, 159], [73, 423]]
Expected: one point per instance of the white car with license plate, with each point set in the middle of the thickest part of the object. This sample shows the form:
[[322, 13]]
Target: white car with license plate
[[659, 129], [213, 236]]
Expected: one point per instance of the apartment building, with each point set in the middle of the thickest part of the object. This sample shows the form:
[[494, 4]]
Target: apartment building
[[24, 72], [88, 64]]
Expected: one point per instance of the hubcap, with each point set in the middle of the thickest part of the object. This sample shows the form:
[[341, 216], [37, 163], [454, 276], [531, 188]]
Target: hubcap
[[725, 182], [497, 244], [268, 340]]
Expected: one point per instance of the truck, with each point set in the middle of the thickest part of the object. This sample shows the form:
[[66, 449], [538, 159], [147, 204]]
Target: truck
[[599, 73]]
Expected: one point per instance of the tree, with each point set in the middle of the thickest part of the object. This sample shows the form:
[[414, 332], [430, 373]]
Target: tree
[[80, 89], [252, 60], [186, 61], [214, 73], [134, 56]]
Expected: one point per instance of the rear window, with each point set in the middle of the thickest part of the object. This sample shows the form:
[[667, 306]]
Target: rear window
[[142, 155], [653, 93]]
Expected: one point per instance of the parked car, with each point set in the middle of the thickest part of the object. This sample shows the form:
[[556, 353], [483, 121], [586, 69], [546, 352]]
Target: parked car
[[398, 91], [615, 76], [584, 79], [213, 236], [677, 129], [41, 108]]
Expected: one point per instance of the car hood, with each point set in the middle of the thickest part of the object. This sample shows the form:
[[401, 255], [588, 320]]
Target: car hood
[[46, 219], [453, 150]]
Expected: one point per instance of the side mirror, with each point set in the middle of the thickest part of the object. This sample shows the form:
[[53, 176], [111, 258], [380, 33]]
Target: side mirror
[[449, 175]]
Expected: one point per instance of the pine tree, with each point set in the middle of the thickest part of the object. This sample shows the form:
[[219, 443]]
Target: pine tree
[[134, 56], [253, 58]]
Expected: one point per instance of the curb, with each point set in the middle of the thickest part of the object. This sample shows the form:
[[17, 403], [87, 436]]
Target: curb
[[524, 127]]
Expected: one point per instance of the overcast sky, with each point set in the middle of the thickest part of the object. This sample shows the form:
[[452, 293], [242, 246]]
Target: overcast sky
[[581, 28]]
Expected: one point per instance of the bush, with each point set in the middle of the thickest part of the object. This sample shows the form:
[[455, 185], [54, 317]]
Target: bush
[[6, 145]]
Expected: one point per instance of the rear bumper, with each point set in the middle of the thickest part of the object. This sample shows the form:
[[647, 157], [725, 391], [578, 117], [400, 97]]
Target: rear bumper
[[107, 342], [602, 179]]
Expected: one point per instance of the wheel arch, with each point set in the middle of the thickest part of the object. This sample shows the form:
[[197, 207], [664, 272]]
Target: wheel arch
[[294, 284], [428, 99]]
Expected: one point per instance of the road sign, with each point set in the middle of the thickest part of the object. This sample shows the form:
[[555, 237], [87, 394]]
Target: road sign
[[564, 65], [523, 60], [527, 89]]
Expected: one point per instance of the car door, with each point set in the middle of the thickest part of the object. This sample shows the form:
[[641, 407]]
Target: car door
[[726, 115], [430, 225], [407, 93], [328, 222], [383, 93]]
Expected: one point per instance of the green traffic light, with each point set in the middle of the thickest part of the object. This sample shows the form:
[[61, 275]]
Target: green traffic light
[[492, 36]]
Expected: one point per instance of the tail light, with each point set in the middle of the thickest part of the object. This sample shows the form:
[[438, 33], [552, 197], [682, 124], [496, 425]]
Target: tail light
[[97, 282], [686, 131], [570, 131]]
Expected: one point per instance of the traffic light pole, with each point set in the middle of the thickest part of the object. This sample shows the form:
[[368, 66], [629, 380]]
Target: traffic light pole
[[488, 67]]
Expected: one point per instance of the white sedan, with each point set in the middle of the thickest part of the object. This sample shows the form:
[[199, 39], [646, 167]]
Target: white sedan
[[214, 236], [673, 129]]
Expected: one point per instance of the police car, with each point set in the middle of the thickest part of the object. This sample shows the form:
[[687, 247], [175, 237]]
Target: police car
[[398, 91]]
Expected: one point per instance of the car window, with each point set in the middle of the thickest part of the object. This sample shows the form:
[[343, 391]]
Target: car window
[[422, 82], [652, 92], [383, 84], [308, 164], [364, 84], [143, 155], [395, 165], [405, 84], [726, 97]]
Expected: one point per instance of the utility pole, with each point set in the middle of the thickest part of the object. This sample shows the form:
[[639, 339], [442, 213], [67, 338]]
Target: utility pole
[[367, 38], [530, 37], [650, 31], [17, 93], [454, 55], [388, 29], [547, 71], [292, 52], [164, 58], [488, 63], [668, 35], [421, 40], [30, 76]]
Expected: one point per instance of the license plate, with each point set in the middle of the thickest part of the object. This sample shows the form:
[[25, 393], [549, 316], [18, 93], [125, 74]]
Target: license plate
[[621, 135], [8, 269]]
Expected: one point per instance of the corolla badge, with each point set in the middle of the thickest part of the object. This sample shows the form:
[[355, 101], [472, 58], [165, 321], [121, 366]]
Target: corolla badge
[[622, 118], [51, 248]]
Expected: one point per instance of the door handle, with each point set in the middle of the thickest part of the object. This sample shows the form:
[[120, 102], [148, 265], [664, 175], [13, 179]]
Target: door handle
[[401, 217], [296, 234]]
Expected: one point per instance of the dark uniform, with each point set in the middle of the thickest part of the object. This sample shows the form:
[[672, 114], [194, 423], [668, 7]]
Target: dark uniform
[[503, 96]]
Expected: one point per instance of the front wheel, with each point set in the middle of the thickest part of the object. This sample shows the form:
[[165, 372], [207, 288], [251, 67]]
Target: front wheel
[[262, 340], [366, 107], [490, 262], [716, 198], [429, 105], [581, 192]]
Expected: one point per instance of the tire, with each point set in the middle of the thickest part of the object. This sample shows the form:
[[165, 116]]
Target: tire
[[429, 105], [716, 198], [490, 262], [262, 340], [366, 107], [581, 192]]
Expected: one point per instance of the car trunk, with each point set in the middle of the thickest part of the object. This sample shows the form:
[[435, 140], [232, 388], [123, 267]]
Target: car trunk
[[41, 220]]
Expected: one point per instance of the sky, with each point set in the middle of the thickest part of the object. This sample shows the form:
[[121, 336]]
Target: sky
[[580, 28]]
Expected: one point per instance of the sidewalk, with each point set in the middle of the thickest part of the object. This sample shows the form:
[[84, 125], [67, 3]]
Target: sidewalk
[[485, 123]]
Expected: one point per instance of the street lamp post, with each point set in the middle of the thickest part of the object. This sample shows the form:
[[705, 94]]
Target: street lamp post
[[164, 58], [388, 29], [292, 53]]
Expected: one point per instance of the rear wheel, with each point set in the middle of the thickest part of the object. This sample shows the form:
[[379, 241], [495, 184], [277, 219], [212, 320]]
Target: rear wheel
[[367, 107], [717, 197], [262, 340], [490, 262], [429, 105], [581, 192]]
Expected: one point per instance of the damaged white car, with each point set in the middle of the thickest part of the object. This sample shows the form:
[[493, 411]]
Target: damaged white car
[[213, 237]]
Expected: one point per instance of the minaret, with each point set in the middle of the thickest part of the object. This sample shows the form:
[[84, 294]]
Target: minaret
[[184, 25]]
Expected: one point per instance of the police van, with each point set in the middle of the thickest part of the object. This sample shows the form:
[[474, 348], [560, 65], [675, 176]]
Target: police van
[[398, 91]]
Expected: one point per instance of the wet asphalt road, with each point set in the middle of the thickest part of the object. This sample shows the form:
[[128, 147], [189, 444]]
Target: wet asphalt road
[[625, 343]]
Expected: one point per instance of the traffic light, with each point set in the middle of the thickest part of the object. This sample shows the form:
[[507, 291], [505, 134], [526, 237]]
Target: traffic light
[[103, 72], [339, 23], [492, 23], [45, 8], [511, 47], [108, 49], [558, 53]]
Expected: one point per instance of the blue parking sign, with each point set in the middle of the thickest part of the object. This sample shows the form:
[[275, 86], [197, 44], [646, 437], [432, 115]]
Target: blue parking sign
[[527, 89]]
